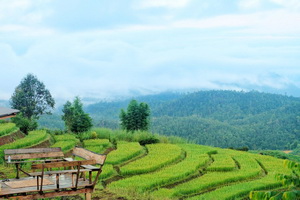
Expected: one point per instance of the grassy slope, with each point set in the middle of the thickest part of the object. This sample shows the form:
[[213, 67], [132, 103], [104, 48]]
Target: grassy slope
[[203, 172]]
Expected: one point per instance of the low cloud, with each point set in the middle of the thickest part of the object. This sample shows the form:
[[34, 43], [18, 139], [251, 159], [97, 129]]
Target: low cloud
[[146, 52]]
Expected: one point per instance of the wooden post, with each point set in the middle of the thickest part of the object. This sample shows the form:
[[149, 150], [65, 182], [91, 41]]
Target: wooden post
[[42, 178], [17, 166], [57, 181], [88, 196]]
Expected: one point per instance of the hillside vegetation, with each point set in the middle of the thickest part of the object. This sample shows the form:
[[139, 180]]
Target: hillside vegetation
[[217, 118], [170, 169]]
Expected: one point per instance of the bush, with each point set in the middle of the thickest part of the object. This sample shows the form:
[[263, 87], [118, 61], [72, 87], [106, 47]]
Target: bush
[[151, 140], [25, 124], [93, 135]]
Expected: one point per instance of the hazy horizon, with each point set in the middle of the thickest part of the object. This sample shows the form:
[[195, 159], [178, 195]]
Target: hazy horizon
[[105, 49]]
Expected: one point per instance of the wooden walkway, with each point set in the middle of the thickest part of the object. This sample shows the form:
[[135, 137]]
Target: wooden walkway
[[66, 188]]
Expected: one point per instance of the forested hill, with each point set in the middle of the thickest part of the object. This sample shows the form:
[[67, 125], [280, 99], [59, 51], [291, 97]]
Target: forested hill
[[218, 118], [224, 105]]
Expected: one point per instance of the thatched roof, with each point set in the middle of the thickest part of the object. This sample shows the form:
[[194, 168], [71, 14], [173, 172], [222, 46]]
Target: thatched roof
[[7, 112]]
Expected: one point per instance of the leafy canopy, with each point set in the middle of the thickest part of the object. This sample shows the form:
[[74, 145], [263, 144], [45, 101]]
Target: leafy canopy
[[76, 120], [292, 182], [32, 98], [136, 117]]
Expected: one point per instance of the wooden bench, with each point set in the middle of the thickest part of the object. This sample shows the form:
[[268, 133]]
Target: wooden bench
[[19, 156], [88, 155], [59, 181]]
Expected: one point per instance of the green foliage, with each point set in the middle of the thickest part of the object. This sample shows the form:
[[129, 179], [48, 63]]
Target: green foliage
[[249, 168], [65, 145], [52, 122], [136, 117], [32, 98], [25, 124], [241, 189], [107, 171], [65, 137], [67, 142], [222, 162], [33, 138], [291, 181], [196, 158], [158, 156], [279, 154], [218, 118], [93, 135], [76, 120], [124, 152], [7, 128], [97, 142], [138, 136], [151, 140], [97, 145]]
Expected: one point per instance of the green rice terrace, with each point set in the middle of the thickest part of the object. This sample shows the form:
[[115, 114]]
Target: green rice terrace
[[170, 168]]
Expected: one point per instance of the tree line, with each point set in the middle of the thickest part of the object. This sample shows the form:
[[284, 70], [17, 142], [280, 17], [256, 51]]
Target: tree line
[[33, 100]]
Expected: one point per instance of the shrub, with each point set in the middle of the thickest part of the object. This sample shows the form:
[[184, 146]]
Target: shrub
[[151, 140]]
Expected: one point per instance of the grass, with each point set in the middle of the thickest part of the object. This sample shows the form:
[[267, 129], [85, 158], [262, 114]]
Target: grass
[[124, 152], [249, 168], [65, 137], [171, 169], [7, 128], [97, 142], [33, 138], [196, 157], [159, 155], [222, 162], [67, 142], [272, 165]]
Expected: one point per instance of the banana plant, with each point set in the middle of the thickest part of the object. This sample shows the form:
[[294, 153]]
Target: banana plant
[[292, 182]]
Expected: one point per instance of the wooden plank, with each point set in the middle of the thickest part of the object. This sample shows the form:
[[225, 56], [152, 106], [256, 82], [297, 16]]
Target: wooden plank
[[71, 171], [64, 183], [33, 161], [91, 167], [88, 155], [27, 183], [52, 194], [63, 164], [35, 155], [32, 150]]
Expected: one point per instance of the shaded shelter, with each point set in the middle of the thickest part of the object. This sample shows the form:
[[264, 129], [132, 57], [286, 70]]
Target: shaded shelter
[[8, 112]]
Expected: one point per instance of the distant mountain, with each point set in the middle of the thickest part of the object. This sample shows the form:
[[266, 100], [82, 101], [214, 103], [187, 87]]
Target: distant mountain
[[4, 103], [111, 110], [218, 118]]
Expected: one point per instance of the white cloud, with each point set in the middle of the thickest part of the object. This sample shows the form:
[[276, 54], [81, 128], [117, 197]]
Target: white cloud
[[290, 4], [249, 4], [163, 3], [267, 22], [178, 52]]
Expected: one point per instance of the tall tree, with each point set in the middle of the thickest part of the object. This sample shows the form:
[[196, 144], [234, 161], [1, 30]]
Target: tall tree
[[32, 98], [136, 117], [76, 120]]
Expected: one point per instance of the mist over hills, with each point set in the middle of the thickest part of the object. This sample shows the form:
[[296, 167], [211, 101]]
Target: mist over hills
[[220, 118], [217, 118]]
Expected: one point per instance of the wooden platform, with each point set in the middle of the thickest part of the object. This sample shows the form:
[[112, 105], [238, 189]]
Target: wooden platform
[[48, 190], [55, 178]]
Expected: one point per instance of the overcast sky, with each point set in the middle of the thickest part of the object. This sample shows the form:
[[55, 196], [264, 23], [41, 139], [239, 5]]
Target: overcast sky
[[100, 48]]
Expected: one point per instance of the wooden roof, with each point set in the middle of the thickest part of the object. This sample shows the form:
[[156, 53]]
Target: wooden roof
[[8, 112]]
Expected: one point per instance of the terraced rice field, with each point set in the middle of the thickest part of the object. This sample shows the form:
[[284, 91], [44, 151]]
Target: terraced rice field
[[173, 171], [6, 128], [203, 173], [66, 142]]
